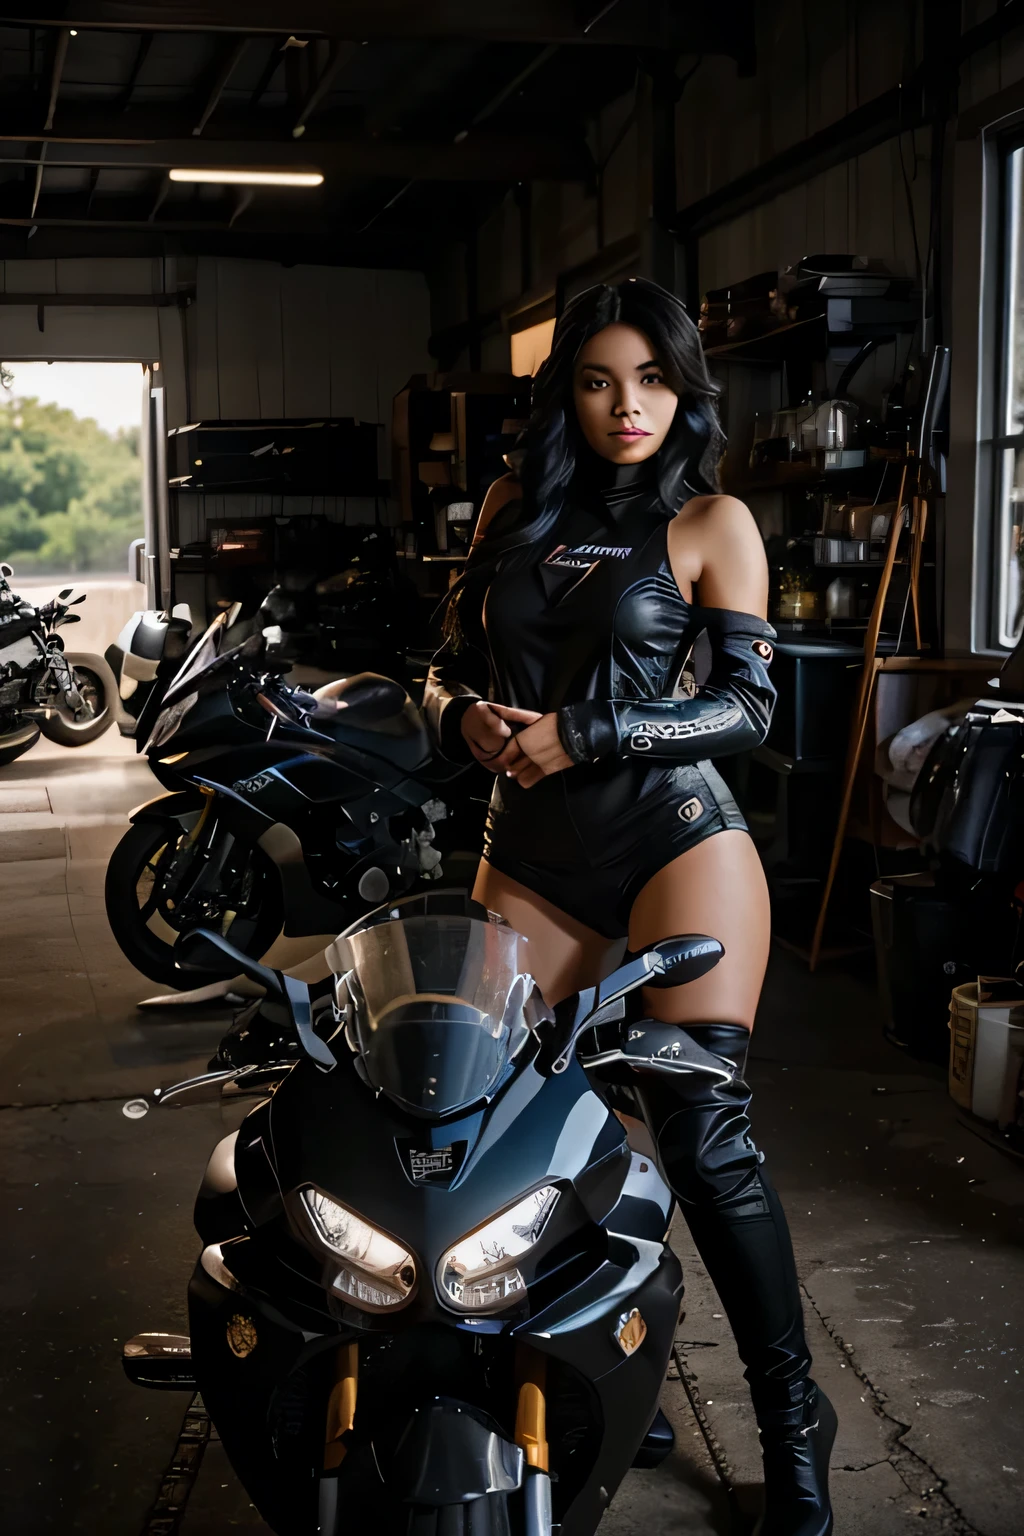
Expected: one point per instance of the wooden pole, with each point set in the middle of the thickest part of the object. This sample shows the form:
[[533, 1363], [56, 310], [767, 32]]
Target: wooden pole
[[861, 712], [920, 523]]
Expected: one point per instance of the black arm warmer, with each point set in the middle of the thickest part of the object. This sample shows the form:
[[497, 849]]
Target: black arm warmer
[[730, 713], [446, 699], [460, 673]]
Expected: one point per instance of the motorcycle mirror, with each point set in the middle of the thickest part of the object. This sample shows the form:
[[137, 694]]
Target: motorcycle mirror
[[668, 963], [6, 570], [79, 599], [295, 994], [65, 593], [71, 618], [191, 952], [685, 958], [160, 1360]]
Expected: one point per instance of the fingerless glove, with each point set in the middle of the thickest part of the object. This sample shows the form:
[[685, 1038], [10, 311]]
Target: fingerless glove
[[730, 713]]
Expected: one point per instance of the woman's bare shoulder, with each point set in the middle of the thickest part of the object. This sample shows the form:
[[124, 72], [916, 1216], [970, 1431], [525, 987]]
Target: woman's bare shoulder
[[717, 511], [716, 545], [499, 494], [505, 488]]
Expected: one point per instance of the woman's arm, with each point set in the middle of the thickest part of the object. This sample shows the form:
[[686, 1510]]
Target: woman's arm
[[499, 494], [454, 699], [715, 547]]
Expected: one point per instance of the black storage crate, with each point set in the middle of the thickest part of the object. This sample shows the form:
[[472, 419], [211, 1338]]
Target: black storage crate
[[314, 457]]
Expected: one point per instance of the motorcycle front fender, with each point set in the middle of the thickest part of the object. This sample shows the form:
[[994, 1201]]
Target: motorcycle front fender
[[168, 807], [451, 1453]]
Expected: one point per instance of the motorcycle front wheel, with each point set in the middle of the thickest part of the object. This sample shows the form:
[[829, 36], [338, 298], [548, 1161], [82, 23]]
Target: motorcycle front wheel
[[68, 731], [249, 911], [14, 743]]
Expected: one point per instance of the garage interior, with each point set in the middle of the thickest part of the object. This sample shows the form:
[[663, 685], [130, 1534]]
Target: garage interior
[[332, 372]]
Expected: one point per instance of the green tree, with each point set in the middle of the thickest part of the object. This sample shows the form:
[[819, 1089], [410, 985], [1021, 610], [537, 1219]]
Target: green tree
[[70, 493]]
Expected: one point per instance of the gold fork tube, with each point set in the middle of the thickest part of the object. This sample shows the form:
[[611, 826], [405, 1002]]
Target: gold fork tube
[[341, 1405], [531, 1408]]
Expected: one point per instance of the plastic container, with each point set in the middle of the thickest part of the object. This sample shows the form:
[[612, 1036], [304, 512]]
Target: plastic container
[[986, 1056]]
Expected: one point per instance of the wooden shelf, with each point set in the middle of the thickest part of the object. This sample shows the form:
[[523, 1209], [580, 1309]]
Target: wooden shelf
[[805, 339], [772, 346], [805, 477]]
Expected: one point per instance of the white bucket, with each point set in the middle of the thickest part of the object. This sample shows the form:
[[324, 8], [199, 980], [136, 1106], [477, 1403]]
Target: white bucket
[[998, 1065]]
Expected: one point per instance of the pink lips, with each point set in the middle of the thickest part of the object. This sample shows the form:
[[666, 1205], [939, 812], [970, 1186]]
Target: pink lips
[[630, 432]]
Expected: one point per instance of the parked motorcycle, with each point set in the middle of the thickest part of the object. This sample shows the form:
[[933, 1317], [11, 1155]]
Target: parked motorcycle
[[435, 1294], [65, 695], [147, 654], [295, 810]]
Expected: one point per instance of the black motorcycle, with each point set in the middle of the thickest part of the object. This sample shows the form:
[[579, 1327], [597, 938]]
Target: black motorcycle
[[145, 658], [293, 811], [44, 689], [435, 1295]]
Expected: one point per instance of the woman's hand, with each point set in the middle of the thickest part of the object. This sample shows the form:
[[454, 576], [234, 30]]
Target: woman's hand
[[487, 728], [541, 744]]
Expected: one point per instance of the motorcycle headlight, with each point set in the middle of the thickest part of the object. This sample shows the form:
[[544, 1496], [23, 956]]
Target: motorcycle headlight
[[168, 720], [373, 1271], [479, 1272]]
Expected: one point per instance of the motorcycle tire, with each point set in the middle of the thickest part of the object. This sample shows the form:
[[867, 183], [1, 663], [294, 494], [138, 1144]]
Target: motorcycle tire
[[65, 730], [486, 1516], [11, 751], [147, 941]]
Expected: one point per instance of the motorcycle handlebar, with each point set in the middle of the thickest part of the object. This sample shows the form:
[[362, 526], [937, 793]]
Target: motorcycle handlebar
[[286, 989]]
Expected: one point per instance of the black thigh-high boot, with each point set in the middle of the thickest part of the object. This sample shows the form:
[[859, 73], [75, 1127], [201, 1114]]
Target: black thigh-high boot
[[700, 1125]]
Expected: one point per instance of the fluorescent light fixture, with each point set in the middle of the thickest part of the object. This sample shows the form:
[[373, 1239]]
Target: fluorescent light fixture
[[240, 178]]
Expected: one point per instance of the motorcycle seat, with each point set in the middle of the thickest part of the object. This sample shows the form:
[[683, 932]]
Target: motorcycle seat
[[375, 714], [17, 621]]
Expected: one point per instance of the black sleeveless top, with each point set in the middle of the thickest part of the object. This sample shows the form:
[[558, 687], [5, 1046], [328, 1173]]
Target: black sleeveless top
[[597, 614]]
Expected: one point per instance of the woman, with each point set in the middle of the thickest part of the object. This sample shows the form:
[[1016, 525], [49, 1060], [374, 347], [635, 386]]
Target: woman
[[567, 671]]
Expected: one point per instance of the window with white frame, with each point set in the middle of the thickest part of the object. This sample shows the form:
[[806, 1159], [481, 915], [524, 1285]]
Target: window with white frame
[[1008, 543]]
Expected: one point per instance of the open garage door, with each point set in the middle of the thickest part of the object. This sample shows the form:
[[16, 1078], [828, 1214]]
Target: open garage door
[[154, 553]]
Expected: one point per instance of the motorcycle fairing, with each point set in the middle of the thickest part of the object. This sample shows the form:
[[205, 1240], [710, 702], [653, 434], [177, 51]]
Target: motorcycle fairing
[[577, 1328], [537, 1131]]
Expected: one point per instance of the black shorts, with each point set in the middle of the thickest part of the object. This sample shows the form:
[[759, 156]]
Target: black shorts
[[589, 839]]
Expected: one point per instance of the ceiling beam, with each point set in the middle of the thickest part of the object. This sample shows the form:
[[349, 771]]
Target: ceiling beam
[[404, 250], [167, 226], [141, 55], [60, 53], [163, 187], [270, 69], [94, 181], [893, 112], [726, 27], [227, 64], [404, 246], [182, 297], [38, 187], [482, 156], [339, 55], [537, 62]]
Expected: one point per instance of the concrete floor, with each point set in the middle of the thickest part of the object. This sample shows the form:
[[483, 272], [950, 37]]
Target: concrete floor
[[907, 1226]]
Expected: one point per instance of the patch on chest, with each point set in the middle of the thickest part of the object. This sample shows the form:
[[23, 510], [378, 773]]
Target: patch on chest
[[580, 557]]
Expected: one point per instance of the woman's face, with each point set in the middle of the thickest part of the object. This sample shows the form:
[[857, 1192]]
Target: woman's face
[[623, 404]]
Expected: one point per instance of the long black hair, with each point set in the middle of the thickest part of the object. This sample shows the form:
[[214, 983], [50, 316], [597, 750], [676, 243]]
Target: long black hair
[[553, 442]]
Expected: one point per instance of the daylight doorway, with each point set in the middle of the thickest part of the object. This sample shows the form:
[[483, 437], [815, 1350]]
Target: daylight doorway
[[71, 486]]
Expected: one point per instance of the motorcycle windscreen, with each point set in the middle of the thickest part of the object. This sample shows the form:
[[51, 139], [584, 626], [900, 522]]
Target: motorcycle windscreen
[[203, 655], [437, 1006]]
